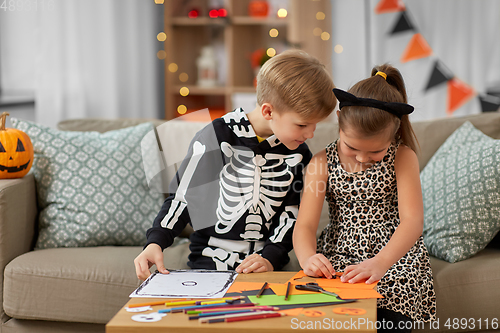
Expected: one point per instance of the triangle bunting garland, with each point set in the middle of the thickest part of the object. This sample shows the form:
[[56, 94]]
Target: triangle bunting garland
[[489, 103], [440, 74], [389, 6], [417, 48], [403, 24], [458, 94]]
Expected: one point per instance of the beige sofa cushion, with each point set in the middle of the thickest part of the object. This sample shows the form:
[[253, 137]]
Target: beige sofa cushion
[[103, 125], [432, 134], [87, 285], [461, 289]]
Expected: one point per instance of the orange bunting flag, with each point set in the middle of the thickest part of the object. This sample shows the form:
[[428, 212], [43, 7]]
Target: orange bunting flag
[[417, 48], [458, 94], [389, 6]]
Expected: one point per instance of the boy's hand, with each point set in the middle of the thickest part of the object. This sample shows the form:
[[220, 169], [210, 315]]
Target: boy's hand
[[318, 266], [369, 270], [151, 255], [254, 263]]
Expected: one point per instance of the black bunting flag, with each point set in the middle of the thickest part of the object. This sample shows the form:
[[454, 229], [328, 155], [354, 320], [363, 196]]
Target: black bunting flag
[[489, 103], [403, 24], [440, 74]]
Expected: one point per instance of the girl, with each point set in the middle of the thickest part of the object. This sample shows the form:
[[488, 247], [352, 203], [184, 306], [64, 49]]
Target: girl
[[370, 177]]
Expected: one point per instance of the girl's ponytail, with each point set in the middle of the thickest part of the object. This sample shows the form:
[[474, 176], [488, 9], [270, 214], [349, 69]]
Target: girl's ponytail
[[395, 79]]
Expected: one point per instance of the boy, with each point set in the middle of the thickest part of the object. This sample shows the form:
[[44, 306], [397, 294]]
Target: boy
[[244, 219]]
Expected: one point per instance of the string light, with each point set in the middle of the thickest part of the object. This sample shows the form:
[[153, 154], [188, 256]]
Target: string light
[[213, 13], [338, 48], [159, 2], [320, 16], [182, 109], [273, 32], [271, 52], [325, 35], [282, 13], [183, 77], [161, 54], [184, 91], [317, 31], [173, 67], [161, 37], [193, 13]]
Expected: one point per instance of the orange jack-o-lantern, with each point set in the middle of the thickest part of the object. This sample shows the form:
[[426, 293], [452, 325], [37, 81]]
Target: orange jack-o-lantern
[[258, 8], [16, 151]]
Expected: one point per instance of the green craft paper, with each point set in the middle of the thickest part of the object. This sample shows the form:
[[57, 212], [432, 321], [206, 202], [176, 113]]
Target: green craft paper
[[294, 299]]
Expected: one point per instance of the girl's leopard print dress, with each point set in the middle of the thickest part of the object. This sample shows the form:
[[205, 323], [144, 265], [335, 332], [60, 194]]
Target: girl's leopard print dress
[[363, 210]]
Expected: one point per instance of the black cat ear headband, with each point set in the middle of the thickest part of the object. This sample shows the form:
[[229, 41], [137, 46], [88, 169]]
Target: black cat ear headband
[[347, 99]]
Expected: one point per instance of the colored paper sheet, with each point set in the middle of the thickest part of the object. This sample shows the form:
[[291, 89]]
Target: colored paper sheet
[[440, 74], [358, 290], [417, 48], [239, 287], [458, 94], [186, 284], [280, 289], [300, 278], [337, 283], [403, 24], [389, 6], [277, 300], [345, 293]]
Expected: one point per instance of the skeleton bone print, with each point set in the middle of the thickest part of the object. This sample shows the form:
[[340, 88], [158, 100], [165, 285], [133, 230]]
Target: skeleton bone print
[[255, 183], [254, 211]]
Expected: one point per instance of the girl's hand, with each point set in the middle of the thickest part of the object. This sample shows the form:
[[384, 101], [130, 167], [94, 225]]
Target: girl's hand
[[370, 270], [318, 266], [254, 263]]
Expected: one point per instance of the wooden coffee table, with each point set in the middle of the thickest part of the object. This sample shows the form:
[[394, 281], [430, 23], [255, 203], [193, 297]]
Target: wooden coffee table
[[179, 322]]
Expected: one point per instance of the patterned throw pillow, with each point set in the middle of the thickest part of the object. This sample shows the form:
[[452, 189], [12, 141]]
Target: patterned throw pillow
[[91, 187], [461, 191]]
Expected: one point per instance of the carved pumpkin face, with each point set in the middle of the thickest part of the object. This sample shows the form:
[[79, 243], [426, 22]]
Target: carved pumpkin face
[[16, 151]]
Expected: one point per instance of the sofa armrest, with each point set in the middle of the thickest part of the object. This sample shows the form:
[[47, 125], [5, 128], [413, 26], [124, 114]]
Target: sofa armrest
[[18, 212]]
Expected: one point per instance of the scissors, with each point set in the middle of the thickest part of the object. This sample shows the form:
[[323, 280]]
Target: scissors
[[313, 286]]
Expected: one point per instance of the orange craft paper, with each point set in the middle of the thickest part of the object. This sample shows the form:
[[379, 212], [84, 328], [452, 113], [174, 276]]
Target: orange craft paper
[[344, 290], [358, 293], [280, 289], [336, 283]]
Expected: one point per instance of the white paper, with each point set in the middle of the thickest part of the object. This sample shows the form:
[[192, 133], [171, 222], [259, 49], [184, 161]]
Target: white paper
[[186, 284], [139, 309], [148, 317]]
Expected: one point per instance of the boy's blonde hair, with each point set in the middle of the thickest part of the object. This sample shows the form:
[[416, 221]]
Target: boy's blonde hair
[[296, 81]]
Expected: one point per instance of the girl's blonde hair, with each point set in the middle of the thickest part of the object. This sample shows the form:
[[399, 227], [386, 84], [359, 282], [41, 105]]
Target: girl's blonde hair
[[371, 121], [296, 81]]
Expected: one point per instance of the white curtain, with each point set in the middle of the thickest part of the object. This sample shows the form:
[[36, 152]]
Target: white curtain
[[464, 35], [97, 59]]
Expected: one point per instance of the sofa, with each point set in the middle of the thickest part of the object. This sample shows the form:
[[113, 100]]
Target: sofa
[[80, 289]]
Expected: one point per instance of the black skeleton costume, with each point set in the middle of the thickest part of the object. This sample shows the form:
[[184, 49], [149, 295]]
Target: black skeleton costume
[[240, 195]]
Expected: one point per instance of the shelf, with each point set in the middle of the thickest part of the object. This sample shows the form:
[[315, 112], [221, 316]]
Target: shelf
[[199, 21], [197, 90], [236, 20], [234, 38], [248, 20]]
